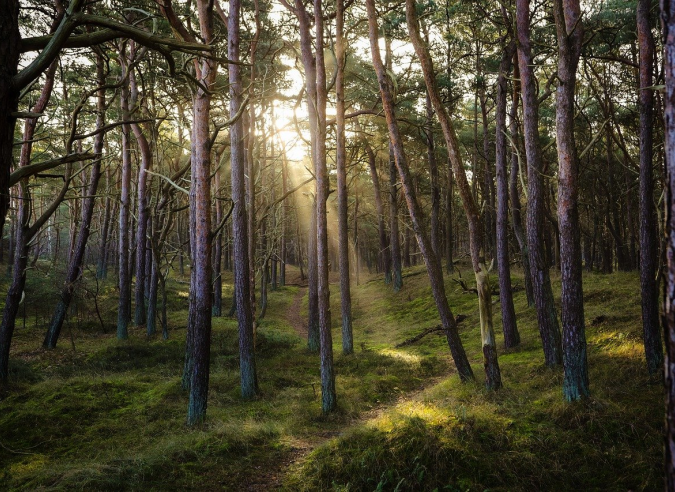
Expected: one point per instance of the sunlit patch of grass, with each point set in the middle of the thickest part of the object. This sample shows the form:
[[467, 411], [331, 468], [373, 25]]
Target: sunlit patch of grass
[[100, 414]]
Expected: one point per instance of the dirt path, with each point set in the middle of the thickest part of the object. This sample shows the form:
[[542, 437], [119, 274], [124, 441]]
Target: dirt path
[[270, 475], [293, 314]]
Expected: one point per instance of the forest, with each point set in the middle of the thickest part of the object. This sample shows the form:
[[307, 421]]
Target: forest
[[334, 245]]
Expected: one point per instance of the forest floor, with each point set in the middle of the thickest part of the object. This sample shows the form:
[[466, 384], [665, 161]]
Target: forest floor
[[100, 414]]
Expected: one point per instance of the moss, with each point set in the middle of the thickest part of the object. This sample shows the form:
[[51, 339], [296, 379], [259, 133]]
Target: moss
[[98, 414]]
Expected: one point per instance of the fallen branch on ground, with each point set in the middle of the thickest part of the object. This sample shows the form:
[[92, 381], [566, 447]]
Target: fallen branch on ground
[[428, 331]]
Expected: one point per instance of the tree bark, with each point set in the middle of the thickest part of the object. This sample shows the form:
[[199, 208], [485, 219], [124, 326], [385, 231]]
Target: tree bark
[[509, 325], [476, 238], [328, 397], [570, 32], [432, 264], [342, 206], [200, 221], [648, 230], [242, 284], [541, 282]]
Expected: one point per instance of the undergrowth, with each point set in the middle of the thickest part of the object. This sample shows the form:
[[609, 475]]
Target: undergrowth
[[100, 414]]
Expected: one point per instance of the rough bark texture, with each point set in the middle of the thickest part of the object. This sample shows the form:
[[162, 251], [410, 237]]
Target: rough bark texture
[[200, 225], [242, 285], [514, 196], [342, 206], [310, 66], [648, 231], [668, 19], [570, 35], [432, 264], [541, 282], [509, 325], [476, 240], [328, 397]]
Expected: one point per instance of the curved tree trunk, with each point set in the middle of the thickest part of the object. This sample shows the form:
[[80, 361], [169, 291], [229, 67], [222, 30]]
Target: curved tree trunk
[[476, 239], [432, 264], [77, 258]]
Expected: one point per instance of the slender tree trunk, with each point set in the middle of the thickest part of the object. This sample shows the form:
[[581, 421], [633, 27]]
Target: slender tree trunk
[[342, 207], [648, 231], [217, 309], [514, 196], [432, 264], [22, 231], [510, 328], [200, 220], [570, 35], [102, 270], [328, 397], [394, 236], [242, 284], [77, 258], [384, 255], [476, 238], [541, 282], [433, 171], [123, 311]]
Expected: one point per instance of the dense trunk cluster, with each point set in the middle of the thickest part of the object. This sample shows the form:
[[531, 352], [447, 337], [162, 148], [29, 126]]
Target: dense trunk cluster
[[185, 139]]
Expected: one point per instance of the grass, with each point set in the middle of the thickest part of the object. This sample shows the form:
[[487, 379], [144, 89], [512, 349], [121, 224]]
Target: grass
[[98, 414]]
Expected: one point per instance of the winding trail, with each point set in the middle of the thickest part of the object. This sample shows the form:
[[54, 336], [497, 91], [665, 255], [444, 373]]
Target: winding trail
[[271, 473]]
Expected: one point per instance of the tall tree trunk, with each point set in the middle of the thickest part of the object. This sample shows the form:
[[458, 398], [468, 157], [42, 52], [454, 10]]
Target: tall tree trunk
[[510, 328], [433, 266], [143, 199], [384, 255], [328, 397], [76, 261], [123, 312], [200, 220], [394, 235], [648, 231], [242, 284], [342, 207], [570, 35], [22, 231], [514, 196], [541, 281], [433, 171], [217, 309], [668, 20], [102, 267], [310, 65], [476, 238]]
